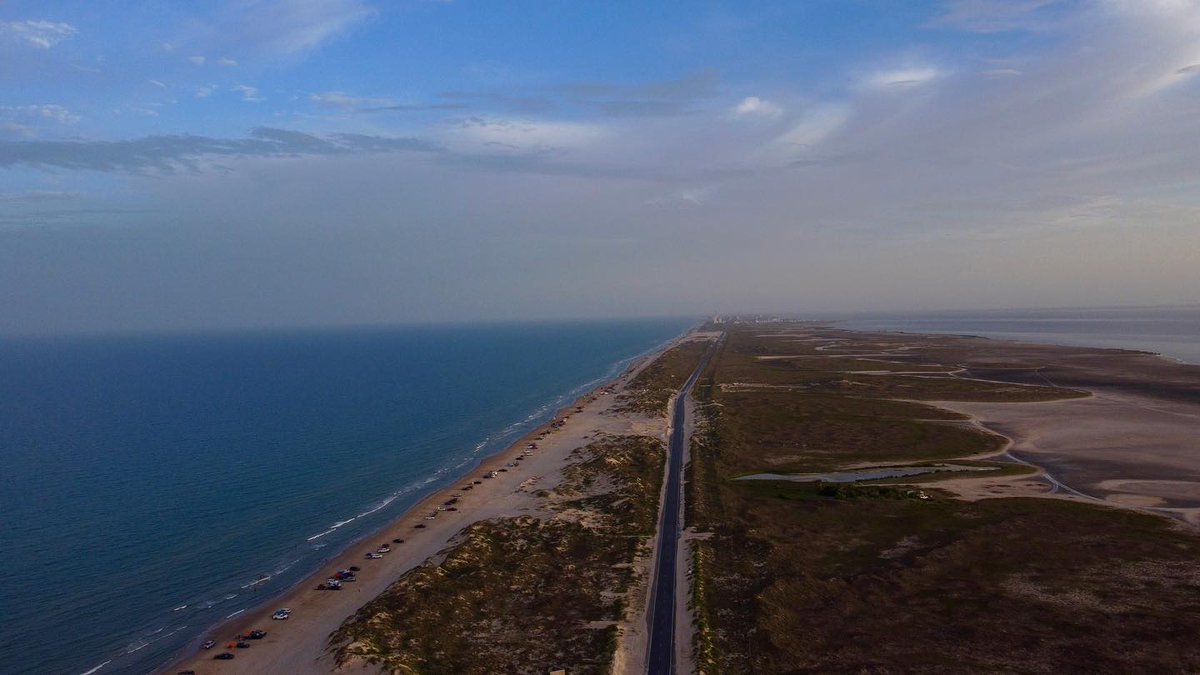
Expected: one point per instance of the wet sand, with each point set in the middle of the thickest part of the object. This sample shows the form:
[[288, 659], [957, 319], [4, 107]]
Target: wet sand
[[297, 646]]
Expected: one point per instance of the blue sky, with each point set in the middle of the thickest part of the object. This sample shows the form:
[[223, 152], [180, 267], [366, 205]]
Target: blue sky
[[299, 162]]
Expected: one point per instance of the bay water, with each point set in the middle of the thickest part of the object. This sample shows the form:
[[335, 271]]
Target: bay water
[[1173, 332]]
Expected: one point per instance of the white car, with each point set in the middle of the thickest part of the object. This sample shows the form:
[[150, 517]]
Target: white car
[[282, 614]]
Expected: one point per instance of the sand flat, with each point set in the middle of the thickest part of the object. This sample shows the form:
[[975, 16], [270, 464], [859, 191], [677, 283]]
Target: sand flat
[[1124, 448]]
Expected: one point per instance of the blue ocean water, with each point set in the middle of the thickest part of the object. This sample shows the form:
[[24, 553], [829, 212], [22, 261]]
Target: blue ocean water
[[1171, 331], [149, 481]]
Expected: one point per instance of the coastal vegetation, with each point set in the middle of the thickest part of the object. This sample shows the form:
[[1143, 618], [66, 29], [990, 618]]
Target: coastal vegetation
[[822, 577], [529, 593], [651, 389]]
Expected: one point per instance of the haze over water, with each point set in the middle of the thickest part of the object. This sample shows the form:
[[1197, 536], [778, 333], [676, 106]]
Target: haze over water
[[151, 480], [1173, 332]]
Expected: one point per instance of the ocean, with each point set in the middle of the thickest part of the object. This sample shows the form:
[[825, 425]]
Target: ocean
[[155, 485], [1173, 332]]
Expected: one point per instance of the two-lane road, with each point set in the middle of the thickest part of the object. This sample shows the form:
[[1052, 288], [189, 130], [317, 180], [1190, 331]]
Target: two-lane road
[[661, 657]]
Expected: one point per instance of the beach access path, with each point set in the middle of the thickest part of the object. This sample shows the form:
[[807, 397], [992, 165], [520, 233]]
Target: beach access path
[[297, 646]]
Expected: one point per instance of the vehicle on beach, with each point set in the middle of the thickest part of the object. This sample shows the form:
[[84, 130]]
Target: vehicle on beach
[[208, 644], [332, 584], [373, 556], [384, 549], [255, 635], [243, 645], [281, 614], [344, 575], [223, 656], [397, 541]]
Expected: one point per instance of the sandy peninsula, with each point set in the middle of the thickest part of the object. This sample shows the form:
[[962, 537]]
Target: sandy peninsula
[[298, 645]]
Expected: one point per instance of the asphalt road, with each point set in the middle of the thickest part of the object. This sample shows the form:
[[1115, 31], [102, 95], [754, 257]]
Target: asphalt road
[[661, 659]]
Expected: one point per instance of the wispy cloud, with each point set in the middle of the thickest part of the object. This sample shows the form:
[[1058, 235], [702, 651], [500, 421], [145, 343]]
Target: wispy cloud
[[994, 16], [903, 77], [36, 33], [47, 111], [338, 99], [185, 152], [813, 127], [645, 99], [249, 94], [290, 27], [523, 136], [688, 196]]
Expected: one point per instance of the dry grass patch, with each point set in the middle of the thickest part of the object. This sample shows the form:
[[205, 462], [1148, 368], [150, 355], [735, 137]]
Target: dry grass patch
[[523, 595]]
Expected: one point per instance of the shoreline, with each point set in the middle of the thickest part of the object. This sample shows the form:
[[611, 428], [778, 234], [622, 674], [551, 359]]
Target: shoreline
[[423, 538], [1026, 338]]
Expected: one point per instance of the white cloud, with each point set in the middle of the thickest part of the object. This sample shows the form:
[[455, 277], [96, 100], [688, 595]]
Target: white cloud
[[753, 106], [197, 60], [337, 99], [48, 111], [40, 34], [249, 93], [227, 62], [204, 91], [903, 77], [1001, 72], [157, 83]]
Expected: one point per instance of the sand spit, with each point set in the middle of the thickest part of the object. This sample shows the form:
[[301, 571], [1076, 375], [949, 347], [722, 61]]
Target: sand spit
[[298, 645]]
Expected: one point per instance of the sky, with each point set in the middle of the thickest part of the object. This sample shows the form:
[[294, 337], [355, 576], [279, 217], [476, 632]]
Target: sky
[[261, 163]]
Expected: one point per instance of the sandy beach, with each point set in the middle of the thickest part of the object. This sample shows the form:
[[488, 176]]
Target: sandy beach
[[297, 645]]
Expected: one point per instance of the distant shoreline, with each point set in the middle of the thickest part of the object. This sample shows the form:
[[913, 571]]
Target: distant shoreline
[[1170, 332]]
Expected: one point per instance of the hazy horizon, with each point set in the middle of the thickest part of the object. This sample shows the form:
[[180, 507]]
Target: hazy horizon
[[307, 163]]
